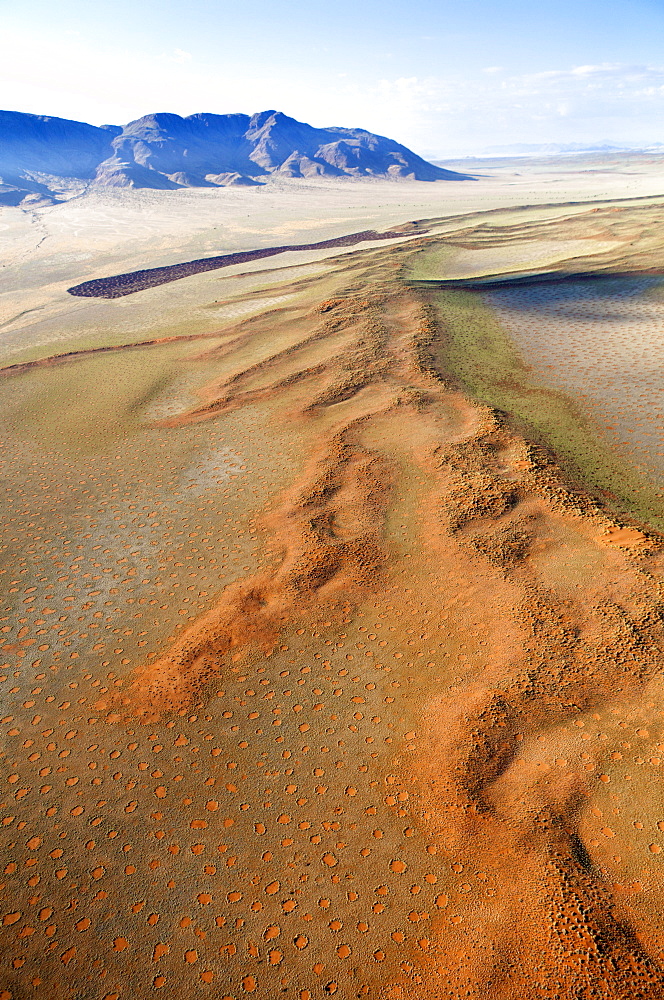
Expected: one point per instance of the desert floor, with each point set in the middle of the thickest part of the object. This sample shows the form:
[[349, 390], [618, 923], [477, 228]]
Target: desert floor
[[332, 608]]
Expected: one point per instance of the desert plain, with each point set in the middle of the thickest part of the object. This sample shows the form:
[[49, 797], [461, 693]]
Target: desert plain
[[332, 607]]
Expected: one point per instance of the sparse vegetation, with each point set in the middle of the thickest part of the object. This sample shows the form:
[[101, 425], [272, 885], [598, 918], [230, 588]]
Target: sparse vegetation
[[476, 350]]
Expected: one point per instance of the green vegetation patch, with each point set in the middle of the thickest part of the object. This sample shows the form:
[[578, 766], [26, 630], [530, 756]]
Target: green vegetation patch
[[476, 350], [88, 403], [431, 264]]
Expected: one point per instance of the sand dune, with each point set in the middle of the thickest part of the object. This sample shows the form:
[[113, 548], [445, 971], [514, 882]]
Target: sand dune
[[321, 675]]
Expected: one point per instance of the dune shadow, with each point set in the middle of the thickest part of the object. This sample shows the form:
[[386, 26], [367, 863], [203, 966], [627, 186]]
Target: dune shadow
[[533, 279]]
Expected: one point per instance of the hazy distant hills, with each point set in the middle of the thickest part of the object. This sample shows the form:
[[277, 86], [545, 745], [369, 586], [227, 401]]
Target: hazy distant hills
[[549, 148], [50, 159]]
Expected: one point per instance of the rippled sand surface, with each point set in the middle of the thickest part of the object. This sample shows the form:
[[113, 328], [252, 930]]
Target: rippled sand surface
[[534, 253]]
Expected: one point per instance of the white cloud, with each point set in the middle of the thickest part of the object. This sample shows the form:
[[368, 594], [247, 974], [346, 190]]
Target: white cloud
[[180, 56], [590, 70], [582, 103], [77, 77]]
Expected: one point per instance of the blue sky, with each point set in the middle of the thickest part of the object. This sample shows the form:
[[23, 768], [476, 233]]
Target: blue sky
[[442, 77]]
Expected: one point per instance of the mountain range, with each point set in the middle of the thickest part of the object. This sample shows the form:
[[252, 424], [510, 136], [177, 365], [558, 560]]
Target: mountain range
[[45, 159]]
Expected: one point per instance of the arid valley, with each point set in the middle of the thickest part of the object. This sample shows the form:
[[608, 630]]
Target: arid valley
[[332, 590]]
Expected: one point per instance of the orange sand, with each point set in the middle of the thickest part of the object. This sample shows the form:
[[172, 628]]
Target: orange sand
[[363, 772]]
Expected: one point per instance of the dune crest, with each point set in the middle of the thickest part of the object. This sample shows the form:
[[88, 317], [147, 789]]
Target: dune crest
[[555, 650]]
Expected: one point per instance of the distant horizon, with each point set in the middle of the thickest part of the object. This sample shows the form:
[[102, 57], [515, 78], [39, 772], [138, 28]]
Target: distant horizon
[[508, 150], [443, 78]]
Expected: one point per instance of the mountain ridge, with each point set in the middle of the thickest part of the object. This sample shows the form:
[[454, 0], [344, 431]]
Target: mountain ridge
[[48, 159]]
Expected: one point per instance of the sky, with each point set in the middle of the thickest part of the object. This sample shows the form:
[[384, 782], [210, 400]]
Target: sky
[[444, 78]]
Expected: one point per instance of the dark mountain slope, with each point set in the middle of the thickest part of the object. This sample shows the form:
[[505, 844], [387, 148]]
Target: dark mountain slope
[[42, 157], [35, 148], [192, 150]]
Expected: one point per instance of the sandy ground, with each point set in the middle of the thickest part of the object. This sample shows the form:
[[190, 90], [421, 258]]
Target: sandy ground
[[535, 253], [47, 250], [317, 680]]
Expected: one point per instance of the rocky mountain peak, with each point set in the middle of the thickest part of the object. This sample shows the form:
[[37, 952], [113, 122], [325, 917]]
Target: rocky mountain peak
[[166, 151]]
